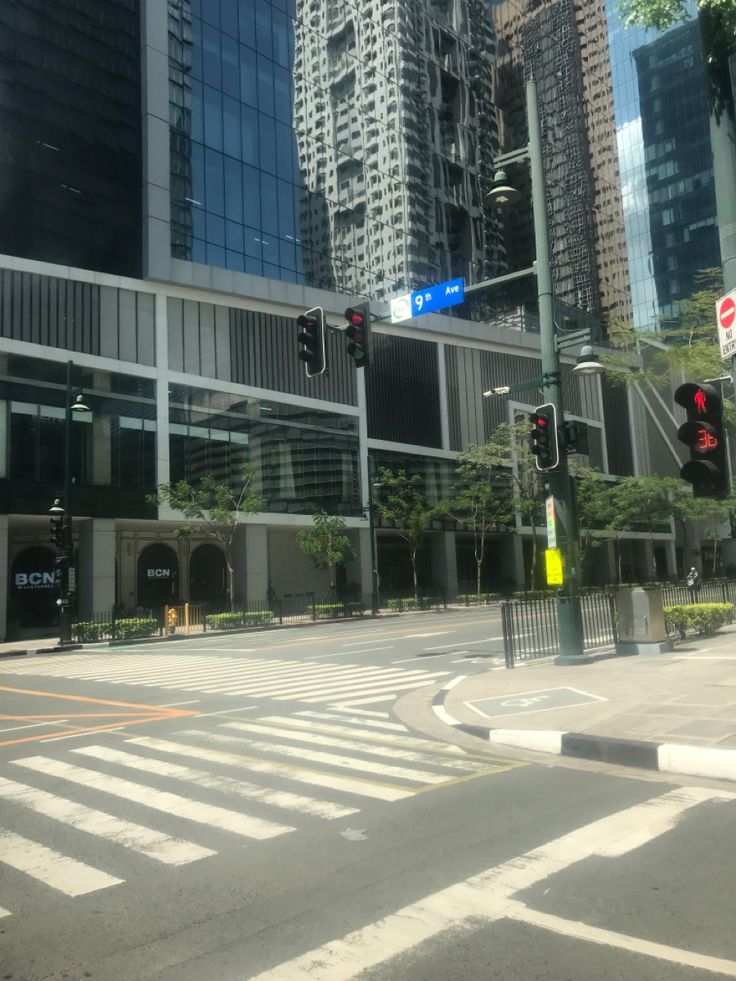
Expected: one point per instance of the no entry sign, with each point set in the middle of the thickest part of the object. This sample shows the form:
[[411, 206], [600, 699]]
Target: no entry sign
[[726, 320]]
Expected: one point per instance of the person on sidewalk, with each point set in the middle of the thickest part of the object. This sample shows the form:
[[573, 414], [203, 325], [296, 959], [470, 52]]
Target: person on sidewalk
[[693, 580]]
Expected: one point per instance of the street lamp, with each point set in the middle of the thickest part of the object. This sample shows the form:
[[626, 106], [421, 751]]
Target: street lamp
[[569, 617], [68, 585]]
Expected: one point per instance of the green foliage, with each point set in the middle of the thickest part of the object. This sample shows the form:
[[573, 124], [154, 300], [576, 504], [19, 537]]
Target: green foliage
[[213, 509], [702, 619], [89, 631], [403, 502], [332, 611], [236, 620], [475, 599], [402, 605], [661, 14], [326, 544]]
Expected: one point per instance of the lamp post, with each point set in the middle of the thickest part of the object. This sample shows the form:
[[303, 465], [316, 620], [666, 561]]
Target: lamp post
[[569, 617], [64, 509]]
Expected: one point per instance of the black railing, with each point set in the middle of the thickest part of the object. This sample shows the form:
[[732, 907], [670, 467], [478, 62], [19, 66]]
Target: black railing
[[530, 626], [713, 591]]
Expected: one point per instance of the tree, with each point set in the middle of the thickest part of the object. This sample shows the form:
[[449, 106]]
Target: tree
[[712, 512], [482, 501], [214, 510], [642, 503], [593, 502], [326, 544], [661, 14], [403, 502]]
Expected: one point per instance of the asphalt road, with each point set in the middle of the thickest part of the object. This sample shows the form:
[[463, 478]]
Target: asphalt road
[[250, 806]]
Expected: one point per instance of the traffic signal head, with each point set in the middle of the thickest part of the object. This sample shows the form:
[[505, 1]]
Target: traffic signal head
[[358, 328], [544, 437], [312, 340], [704, 434], [58, 536]]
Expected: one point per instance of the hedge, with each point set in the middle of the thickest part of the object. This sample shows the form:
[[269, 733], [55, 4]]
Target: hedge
[[88, 631], [409, 603], [470, 598], [702, 619], [331, 611], [231, 621]]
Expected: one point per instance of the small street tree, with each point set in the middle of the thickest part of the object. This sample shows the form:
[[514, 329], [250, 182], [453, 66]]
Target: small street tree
[[326, 544], [213, 509], [642, 504], [593, 497], [482, 502], [712, 512], [404, 503]]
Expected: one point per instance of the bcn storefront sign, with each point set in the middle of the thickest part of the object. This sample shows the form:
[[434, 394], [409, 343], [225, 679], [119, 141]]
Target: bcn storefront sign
[[158, 573], [34, 580]]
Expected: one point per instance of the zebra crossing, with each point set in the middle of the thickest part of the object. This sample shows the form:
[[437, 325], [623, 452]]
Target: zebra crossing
[[310, 682], [247, 782]]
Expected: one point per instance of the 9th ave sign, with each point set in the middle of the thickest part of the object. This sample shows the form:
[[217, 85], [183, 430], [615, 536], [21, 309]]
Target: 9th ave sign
[[432, 298], [726, 320]]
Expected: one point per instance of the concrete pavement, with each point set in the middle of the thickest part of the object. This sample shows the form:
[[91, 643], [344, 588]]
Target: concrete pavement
[[673, 712]]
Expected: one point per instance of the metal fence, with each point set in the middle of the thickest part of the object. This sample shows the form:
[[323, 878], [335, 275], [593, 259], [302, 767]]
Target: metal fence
[[714, 591], [530, 628]]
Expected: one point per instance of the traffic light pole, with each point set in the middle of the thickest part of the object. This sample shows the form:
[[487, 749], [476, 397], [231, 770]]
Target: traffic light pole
[[569, 616], [65, 612]]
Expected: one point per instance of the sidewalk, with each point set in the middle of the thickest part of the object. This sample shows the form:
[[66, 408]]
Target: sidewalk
[[674, 712]]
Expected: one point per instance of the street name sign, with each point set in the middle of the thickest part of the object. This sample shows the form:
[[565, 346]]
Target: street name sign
[[432, 298], [726, 320]]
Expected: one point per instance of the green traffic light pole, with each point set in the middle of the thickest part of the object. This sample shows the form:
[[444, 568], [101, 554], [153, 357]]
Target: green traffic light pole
[[569, 614]]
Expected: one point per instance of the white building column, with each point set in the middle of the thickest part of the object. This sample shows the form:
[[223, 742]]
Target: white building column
[[444, 561], [96, 573], [364, 559], [254, 564], [4, 573]]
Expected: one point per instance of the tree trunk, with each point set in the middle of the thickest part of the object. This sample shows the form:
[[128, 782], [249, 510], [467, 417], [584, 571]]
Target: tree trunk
[[231, 586], [618, 559], [533, 571], [413, 554], [479, 552]]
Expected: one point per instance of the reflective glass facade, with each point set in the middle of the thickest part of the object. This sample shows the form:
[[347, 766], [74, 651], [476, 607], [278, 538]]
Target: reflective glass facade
[[334, 144], [665, 162], [70, 148], [302, 459]]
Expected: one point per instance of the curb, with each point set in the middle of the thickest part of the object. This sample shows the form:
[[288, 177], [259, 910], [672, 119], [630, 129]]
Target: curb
[[694, 761]]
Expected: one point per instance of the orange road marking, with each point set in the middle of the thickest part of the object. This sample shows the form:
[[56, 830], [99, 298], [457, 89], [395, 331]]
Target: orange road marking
[[141, 714]]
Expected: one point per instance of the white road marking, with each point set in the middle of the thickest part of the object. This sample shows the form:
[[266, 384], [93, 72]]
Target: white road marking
[[361, 650], [362, 701], [487, 896], [582, 931], [323, 679], [33, 725], [345, 762], [230, 711], [414, 742], [53, 869], [395, 726], [362, 690], [250, 791], [191, 701], [158, 800], [466, 643], [153, 844], [316, 778], [393, 750]]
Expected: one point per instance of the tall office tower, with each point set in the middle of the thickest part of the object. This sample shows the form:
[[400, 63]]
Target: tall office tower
[[70, 153], [564, 46], [348, 149], [666, 163]]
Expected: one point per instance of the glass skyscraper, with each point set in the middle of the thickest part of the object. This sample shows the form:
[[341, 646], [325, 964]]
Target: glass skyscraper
[[666, 165]]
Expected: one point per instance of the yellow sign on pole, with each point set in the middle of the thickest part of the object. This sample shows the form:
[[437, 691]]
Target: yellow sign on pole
[[553, 562]]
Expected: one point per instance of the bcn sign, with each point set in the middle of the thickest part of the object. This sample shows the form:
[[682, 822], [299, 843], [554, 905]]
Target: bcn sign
[[432, 298], [34, 580]]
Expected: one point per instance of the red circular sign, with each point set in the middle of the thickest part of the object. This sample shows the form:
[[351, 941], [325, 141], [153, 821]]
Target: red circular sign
[[727, 313]]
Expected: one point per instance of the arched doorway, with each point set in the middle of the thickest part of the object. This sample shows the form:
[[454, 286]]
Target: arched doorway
[[32, 592], [158, 577], [208, 577]]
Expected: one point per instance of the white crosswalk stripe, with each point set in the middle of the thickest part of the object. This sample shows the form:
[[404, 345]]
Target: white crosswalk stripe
[[160, 800], [154, 844], [48, 866], [352, 758], [282, 680]]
